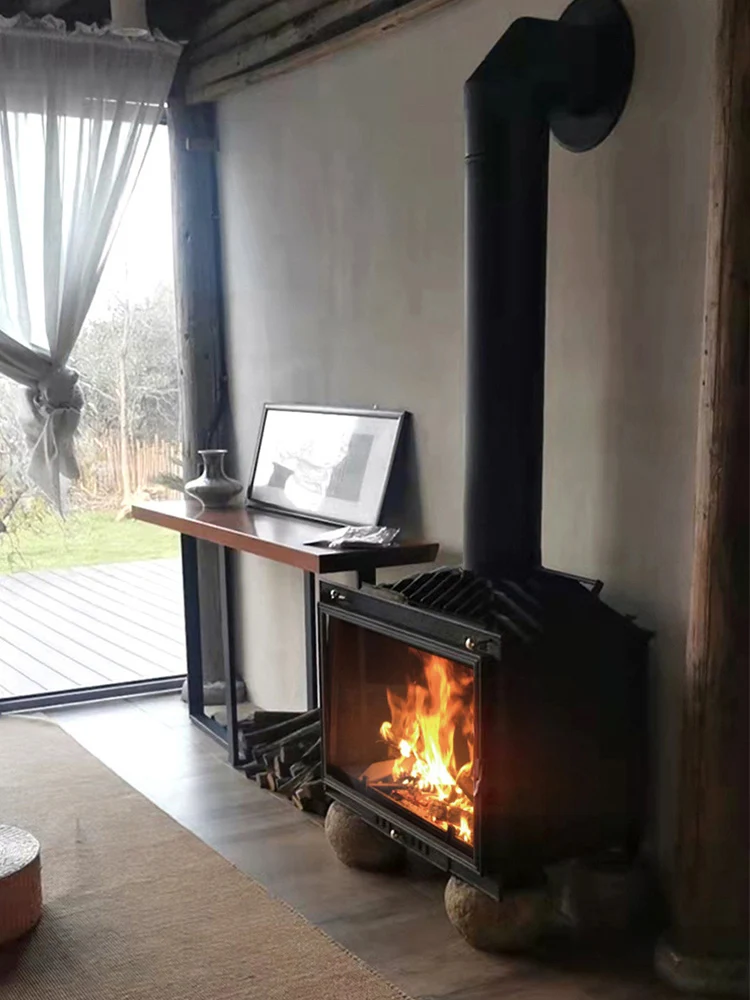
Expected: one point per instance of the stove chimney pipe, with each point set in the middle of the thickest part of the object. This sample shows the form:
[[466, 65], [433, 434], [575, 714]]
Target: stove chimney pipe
[[572, 76]]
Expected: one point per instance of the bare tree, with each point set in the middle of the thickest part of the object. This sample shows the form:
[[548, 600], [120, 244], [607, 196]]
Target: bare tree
[[128, 367], [127, 361]]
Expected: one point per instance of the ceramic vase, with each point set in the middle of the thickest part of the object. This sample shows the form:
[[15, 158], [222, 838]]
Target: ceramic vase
[[214, 488]]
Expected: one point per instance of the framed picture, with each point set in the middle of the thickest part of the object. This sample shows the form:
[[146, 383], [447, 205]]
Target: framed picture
[[324, 463]]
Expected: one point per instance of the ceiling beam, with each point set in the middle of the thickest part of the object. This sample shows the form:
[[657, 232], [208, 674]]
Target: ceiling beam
[[221, 16], [262, 22], [286, 34]]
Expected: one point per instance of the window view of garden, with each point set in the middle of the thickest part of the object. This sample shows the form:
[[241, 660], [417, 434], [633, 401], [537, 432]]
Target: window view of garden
[[128, 443]]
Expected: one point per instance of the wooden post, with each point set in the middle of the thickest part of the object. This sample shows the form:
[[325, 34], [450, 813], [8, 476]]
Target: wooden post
[[708, 946], [200, 326]]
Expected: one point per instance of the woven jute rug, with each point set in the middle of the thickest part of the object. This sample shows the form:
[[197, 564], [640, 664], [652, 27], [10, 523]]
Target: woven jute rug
[[137, 907]]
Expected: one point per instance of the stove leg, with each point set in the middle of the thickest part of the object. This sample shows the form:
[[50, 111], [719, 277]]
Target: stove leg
[[514, 924], [360, 845]]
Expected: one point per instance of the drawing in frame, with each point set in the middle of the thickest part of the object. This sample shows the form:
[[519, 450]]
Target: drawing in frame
[[324, 463]]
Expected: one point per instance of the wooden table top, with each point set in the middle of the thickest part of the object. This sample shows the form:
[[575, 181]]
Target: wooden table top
[[274, 536]]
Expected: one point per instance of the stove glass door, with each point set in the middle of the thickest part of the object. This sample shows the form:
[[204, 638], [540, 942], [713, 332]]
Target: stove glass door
[[399, 726]]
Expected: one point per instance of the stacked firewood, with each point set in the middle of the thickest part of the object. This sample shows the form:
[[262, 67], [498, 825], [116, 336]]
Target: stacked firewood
[[282, 753]]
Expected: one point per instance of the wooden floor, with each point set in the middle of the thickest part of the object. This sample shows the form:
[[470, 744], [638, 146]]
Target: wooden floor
[[396, 924], [73, 628]]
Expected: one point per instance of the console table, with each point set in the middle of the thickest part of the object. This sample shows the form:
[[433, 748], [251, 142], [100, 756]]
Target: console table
[[270, 536]]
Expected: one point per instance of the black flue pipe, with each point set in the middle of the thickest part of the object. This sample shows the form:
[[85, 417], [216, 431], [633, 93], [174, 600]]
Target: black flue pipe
[[506, 204], [540, 72]]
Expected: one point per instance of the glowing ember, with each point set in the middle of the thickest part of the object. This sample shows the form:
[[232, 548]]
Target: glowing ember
[[427, 727]]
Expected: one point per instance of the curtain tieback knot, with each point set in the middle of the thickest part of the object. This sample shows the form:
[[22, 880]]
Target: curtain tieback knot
[[58, 391], [50, 421]]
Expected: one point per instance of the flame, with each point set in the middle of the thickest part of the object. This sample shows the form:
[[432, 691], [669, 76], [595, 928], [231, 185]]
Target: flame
[[423, 727]]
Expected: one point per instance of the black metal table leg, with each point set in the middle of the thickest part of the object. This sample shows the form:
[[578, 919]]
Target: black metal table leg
[[226, 735], [230, 675], [194, 657], [311, 638]]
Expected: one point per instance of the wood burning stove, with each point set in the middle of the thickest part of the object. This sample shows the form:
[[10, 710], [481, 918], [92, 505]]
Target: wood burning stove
[[492, 719], [492, 730]]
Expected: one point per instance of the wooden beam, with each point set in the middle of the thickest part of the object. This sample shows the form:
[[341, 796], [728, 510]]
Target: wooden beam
[[711, 873], [272, 16], [325, 30], [287, 38], [224, 15]]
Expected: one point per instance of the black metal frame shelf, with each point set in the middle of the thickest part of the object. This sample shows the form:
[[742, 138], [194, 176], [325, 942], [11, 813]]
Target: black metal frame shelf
[[227, 734]]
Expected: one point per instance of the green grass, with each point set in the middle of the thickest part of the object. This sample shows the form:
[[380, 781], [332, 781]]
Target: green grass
[[83, 539]]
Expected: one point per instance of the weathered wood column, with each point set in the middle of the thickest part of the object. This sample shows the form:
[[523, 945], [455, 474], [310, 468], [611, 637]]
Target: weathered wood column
[[708, 944], [200, 325]]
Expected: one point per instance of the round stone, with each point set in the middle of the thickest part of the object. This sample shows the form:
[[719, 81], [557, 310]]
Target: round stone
[[358, 844], [513, 924], [602, 895], [20, 883]]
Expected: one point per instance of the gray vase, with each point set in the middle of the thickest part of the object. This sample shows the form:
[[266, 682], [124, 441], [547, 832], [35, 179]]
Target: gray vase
[[214, 488]]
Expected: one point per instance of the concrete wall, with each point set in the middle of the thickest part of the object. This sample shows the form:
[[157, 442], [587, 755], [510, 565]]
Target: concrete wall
[[342, 194]]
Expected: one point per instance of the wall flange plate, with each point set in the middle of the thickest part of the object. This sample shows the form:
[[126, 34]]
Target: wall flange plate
[[581, 131]]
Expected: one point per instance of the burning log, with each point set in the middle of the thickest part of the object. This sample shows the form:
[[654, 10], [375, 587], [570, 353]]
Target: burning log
[[465, 780], [378, 772], [431, 730]]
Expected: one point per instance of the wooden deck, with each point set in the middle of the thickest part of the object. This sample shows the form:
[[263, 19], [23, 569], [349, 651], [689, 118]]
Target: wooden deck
[[73, 628]]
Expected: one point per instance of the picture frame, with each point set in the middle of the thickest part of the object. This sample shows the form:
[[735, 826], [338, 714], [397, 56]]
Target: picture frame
[[324, 463]]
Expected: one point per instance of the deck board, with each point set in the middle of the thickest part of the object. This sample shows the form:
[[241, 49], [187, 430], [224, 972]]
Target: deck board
[[118, 582], [49, 651], [70, 637], [64, 629], [99, 595], [100, 623], [12, 673], [120, 591]]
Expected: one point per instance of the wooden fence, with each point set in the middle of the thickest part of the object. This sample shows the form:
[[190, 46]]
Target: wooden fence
[[102, 471]]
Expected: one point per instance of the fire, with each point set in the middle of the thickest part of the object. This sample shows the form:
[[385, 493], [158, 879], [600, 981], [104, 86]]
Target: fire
[[425, 727]]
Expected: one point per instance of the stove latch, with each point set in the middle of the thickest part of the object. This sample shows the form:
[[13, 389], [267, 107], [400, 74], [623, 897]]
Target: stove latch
[[481, 646]]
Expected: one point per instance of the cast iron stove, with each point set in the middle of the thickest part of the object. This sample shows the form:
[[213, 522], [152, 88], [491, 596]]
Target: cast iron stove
[[493, 730]]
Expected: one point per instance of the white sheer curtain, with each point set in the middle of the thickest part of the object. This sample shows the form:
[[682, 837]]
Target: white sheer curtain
[[77, 113]]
